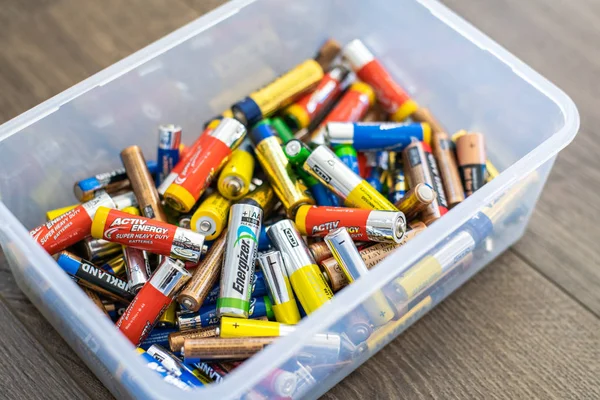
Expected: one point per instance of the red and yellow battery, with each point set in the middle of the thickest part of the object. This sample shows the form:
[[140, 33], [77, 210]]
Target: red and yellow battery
[[206, 161], [391, 96], [211, 216]]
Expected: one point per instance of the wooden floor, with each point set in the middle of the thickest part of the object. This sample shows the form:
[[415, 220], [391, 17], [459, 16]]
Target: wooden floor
[[526, 327]]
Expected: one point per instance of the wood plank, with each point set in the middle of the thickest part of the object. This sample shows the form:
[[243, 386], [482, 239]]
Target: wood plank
[[507, 333], [27, 370], [559, 39]]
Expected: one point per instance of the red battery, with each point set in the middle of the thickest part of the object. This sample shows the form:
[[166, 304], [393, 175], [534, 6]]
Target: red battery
[[362, 225], [437, 179], [70, 227], [152, 300], [206, 161], [363, 167], [310, 105], [391, 96], [147, 234], [352, 107], [185, 156]]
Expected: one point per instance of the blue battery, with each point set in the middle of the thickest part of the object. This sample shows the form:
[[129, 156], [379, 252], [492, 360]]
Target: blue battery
[[348, 155], [159, 336], [263, 240], [374, 179], [364, 136], [100, 181], [166, 375], [169, 139]]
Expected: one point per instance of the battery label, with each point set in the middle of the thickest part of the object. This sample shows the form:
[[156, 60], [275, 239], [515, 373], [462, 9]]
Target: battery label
[[366, 197], [201, 167], [310, 287], [139, 318], [140, 233], [351, 108], [320, 221], [473, 176], [437, 181]]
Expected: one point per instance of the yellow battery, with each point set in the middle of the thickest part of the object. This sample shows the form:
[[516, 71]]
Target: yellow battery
[[132, 210], [50, 215], [310, 287], [211, 216], [287, 313], [238, 327], [291, 191], [263, 197], [492, 171], [282, 91], [168, 317], [236, 175], [367, 197], [420, 276], [227, 114]]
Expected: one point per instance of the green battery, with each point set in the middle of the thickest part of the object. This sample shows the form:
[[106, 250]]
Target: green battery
[[296, 152], [283, 130], [348, 155]]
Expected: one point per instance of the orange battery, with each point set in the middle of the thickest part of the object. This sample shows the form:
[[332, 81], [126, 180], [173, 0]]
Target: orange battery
[[442, 147]]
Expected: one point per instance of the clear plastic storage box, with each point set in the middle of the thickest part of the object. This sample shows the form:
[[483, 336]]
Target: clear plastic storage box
[[466, 79]]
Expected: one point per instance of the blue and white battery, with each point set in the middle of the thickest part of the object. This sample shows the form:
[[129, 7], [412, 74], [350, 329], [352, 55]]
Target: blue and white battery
[[366, 136]]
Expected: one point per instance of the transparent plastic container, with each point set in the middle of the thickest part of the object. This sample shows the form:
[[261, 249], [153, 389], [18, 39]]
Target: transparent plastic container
[[466, 79]]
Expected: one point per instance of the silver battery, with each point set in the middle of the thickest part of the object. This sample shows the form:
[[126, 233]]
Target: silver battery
[[238, 263], [324, 165], [187, 245], [386, 226], [285, 237], [137, 268], [229, 131], [351, 263], [170, 277], [271, 263], [99, 249], [323, 348], [125, 200]]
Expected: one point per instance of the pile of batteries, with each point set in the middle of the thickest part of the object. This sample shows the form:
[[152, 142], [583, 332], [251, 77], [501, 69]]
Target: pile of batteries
[[326, 202]]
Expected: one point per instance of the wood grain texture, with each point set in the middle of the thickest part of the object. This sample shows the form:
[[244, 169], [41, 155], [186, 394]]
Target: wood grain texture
[[507, 333], [559, 39]]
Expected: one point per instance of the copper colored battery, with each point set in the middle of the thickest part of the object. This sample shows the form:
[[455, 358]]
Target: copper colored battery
[[375, 114], [205, 276], [416, 200], [208, 349], [416, 169], [142, 183], [176, 339], [320, 251], [371, 255], [442, 147], [470, 152], [357, 326], [327, 53], [424, 115], [95, 298]]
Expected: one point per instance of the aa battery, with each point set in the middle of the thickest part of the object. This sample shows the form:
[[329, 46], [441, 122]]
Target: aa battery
[[280, 290], [417, 170], [183, 160], [238, 263], [236, 176], [348, 155], [207, 315], [443, 152], [319, 251], [322, 346], [142, 183], [262, 196], [88, 275], [235, 327], [147, 234], [416, 200], [470, 153], [169, 140], [96, 250], [278, 93], [205, 277], [174, 365], [168, 319], [371, 255], [362, 225], [398, 185], [357, 325], [350, 261], [324, 165], [166, 375], [296, 152], [425, 115], [211, 216], [70, 227], [176, 339], [207, 159], [282, 129], [93, 296], [289, 189], [365, 136], [137, 268], [153, 299], [304, 275], [300, 114], [111, 182], [390, 95], [327, 53], [352, 107]]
